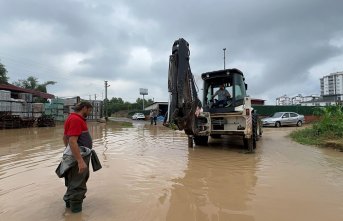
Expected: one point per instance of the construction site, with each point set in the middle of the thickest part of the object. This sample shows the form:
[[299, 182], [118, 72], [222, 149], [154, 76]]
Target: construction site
[[19, 108]]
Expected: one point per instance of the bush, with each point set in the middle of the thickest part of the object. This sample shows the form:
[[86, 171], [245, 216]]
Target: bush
[[329, 127]]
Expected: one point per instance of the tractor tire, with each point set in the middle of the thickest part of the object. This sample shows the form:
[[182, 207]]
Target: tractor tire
[[256, 127], [248, 144], [215, 136], [201, 140]]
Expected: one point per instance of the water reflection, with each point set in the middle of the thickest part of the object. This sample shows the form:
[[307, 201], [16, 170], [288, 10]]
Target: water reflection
[[218, 184], [149, 173]]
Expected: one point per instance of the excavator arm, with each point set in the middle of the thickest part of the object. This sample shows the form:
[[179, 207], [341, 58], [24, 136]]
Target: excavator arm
[[184, 104]]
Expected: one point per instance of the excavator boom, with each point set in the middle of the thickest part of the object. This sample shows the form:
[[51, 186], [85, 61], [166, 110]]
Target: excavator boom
[[183, 102]]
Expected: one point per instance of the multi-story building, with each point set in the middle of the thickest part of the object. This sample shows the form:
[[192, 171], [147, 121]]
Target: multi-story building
[[296, 100], [283, 100], [332, 86]]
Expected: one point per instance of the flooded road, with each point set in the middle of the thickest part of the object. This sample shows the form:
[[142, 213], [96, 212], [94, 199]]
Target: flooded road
[[149, 173]]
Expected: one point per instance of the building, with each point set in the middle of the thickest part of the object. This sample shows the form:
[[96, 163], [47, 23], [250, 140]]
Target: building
[[283, 100], [255, 101], [299, 99], [332, 86], [319, 101], [161, 107], [21, 102], [15, 91]]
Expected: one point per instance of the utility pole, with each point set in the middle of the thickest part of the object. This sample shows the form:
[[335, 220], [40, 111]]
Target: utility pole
[[143, 102], [90, 97], [224, 49], [95, 97], [106, 86]]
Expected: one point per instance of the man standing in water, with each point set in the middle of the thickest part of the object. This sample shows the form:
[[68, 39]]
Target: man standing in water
[[76, 137]]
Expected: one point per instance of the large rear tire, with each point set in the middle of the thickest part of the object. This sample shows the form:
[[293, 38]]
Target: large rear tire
[[201, 140], [256, 128], [249, 144], [215, 136]]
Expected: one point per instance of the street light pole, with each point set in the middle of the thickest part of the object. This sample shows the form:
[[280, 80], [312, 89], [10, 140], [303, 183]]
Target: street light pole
[[143, 102], [224, 49]]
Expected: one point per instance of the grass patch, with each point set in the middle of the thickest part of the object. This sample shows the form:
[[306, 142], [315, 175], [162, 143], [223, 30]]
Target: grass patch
[[307, 136], [327, 132]]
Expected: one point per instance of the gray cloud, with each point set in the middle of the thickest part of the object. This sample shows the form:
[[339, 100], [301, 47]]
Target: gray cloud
[[281, 46]]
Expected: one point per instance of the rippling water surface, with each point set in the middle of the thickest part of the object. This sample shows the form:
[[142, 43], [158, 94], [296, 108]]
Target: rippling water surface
[[149, 173]]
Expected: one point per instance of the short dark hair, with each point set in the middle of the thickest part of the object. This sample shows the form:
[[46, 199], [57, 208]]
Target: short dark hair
[[81, 105]]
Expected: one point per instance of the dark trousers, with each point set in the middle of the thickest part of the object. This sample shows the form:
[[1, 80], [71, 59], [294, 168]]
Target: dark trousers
[[153, 119], [76, 184], [220, 103]]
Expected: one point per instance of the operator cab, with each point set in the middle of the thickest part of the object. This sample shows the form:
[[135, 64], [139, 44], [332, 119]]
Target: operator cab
[[223, 90]]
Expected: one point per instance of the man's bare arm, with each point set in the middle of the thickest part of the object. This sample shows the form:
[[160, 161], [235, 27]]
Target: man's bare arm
[[65, 140], [76, 153]]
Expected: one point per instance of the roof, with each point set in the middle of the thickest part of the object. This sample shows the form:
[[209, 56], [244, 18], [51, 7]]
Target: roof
[[220, 73], [257, 99], [13, 88], [154, 105]]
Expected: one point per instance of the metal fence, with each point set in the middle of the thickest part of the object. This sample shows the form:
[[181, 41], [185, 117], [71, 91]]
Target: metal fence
[[267, 110]]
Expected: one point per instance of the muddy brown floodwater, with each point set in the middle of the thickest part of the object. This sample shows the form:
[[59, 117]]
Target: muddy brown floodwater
[[150, 174]]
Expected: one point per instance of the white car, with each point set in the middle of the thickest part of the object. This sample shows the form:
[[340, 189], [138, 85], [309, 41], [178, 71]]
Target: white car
[[138, 116]]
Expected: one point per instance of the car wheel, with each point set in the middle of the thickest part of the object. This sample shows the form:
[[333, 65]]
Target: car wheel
[[277, 124], [299, 124]]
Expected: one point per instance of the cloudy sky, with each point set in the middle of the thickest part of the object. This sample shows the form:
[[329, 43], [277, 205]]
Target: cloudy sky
[[283, 47]]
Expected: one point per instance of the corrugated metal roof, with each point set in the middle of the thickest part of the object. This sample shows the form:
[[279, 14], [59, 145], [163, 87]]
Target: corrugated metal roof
[[11, 87]]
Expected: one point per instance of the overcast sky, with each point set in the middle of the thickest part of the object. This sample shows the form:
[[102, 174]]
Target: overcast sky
[[282, 47]]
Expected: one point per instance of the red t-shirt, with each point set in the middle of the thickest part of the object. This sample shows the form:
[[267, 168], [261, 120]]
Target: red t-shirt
[[75, 125]]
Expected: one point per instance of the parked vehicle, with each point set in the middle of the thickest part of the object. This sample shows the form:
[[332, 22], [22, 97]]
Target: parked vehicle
[[279, 119], [138, 116]]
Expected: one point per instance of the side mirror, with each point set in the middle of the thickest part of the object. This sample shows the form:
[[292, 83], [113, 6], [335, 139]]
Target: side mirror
[[246, 86]]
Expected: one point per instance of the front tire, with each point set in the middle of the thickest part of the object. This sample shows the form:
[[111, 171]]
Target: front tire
[[277, 124], [249, 144], [299, 123], [201, 140]]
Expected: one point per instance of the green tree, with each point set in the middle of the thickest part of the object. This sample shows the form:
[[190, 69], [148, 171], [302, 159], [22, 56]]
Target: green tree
[[33, 83], [3, 74]]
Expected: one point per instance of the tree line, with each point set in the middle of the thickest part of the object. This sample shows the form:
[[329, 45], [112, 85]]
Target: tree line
[[114, 105], [118, 104]]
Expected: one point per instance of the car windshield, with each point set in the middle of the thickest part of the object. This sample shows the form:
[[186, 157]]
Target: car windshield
[[277, 114]]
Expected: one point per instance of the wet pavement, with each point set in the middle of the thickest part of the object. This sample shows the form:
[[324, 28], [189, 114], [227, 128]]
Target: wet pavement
[[149, 173]]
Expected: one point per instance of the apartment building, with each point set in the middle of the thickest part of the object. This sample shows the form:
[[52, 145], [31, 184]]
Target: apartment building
[[332, 86]]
